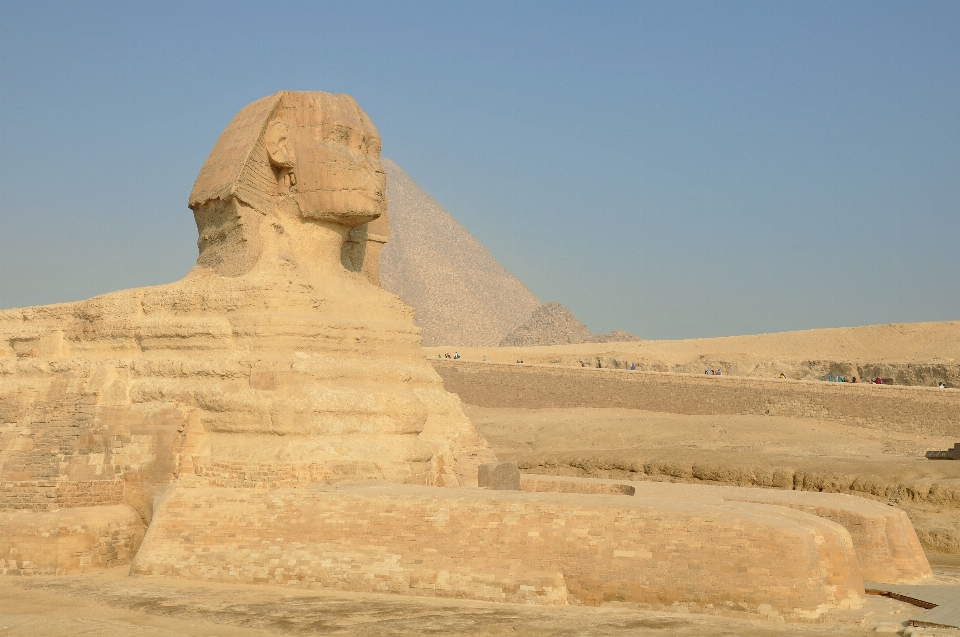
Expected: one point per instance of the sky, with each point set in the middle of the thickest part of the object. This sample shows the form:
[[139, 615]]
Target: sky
[[673, 169]]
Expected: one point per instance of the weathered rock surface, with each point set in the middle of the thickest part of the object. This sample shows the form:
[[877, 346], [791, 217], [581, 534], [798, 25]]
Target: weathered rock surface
[[459, 293], [500, 476]]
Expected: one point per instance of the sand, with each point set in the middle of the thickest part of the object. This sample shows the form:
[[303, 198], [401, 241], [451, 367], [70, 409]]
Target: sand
[[906, 353], [109, 604]]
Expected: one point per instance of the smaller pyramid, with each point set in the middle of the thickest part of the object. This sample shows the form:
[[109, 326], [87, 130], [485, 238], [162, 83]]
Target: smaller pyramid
[[553, 324], [616, 336], [550, 324]]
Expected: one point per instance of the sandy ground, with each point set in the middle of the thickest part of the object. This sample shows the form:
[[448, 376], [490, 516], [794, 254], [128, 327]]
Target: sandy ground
[[895, 342], [112, 604], [766, 451]]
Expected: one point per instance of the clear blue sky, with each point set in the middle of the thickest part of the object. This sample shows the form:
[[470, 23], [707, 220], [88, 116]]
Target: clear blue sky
[[674, 169]]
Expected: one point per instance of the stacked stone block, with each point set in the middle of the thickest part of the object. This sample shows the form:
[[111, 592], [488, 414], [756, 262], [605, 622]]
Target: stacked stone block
[[545, 548], [887, 546], [68, 540]]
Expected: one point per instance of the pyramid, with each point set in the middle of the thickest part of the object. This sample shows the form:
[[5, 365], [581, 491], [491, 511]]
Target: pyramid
[[550, 324], [553, 324], [459, 293]]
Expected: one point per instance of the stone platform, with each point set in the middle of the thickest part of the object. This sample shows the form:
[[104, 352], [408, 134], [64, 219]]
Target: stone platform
[[886, 407], [543, 548], [885, 541]]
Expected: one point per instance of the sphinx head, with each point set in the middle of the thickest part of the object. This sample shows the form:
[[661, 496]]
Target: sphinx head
[[305, 163]]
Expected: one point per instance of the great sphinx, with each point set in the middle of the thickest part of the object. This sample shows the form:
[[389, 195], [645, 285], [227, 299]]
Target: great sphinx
[[278, 359], [271, 418]]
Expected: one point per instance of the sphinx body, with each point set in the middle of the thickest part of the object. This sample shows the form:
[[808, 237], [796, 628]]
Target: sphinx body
[[278, 360]]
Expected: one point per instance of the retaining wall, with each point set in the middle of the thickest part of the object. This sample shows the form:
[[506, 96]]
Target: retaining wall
[[541, 386]]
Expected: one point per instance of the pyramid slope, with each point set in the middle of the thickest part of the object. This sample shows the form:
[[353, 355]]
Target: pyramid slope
[[460, 294]]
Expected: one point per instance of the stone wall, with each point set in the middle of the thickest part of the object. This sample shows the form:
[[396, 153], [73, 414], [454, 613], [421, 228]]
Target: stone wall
[[541, 386], [68, 540], [50, 495], [60, 447], [544, 548]]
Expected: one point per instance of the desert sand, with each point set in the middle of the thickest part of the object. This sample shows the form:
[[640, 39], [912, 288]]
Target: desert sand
[[110, 604], [906, 353]]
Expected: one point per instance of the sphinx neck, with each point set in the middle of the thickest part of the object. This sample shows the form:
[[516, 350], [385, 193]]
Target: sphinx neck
[[321, 243]]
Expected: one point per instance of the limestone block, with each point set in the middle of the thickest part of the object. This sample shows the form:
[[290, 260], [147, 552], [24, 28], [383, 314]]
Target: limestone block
[[544, 548], [885, 541], [499, 475], [68, 540]]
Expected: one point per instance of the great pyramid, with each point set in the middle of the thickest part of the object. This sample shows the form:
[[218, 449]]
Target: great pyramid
[[460, 294]]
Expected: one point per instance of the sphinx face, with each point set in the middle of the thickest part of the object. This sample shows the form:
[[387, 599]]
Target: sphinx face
[[309, 157], [326, 155]]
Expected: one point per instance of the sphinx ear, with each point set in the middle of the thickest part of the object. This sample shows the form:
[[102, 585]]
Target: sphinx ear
[[277, 140]]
